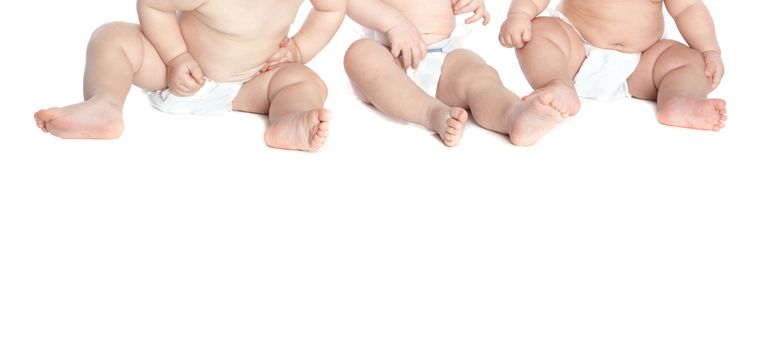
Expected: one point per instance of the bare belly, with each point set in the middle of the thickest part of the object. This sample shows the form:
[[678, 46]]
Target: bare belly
[[431, 38], [622, 32], [434, 20], [224, 57]]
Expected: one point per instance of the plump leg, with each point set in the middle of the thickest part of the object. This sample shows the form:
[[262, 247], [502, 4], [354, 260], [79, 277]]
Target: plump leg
[[673, 75], [118, 56], [293, 96], [380, 80], [551, 60], [468, 82]]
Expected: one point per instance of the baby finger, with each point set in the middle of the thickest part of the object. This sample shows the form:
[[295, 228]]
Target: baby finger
[[406, 59], [461, 6], [416, 55], [526, 35], [478, 14], [516, 39], [396, 50], [470, 7], [486, 17]]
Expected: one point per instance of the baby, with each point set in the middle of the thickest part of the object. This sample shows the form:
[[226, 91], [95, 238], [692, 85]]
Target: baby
[[607, 49], [409, 67], [208, 57]]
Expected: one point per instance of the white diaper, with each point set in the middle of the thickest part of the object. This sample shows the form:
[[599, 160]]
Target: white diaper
[[603, 75], [212, 99], [430, 68]]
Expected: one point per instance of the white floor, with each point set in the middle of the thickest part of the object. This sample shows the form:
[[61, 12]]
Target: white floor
[[613, 232]]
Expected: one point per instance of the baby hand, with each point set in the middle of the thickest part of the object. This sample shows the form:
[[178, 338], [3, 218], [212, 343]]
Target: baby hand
[[184, 75], [407, 44], [715, 69], [516, 30], [476, 6], [288, 52]]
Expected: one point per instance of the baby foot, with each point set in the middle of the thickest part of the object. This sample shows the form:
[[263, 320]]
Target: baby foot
[[564, 97], [688, 112], [86, 120], [448, 122], [299, 131], [533, 118]]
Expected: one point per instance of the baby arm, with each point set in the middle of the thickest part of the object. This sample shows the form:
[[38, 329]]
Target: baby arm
[[696, 26], [407, 44], [517, 28], [158, 21], [320, 26]]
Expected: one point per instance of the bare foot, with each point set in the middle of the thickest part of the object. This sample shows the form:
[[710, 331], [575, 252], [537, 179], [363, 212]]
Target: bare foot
[[299, 131], [448, 122], [565, 99], [533, 118], [688, 112], [86, 120]]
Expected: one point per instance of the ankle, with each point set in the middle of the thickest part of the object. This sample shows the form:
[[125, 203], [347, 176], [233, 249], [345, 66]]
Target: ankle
[[106, 101], [435, 112], [560, 81]]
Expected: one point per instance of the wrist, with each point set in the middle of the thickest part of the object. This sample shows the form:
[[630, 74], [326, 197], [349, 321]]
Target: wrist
[[298, 49], [391, 20], [711, 51], [400, 22], [519, 15], [177, 58]]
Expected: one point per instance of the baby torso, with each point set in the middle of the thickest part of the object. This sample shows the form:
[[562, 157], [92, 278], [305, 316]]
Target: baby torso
[[232, 39], [433, 18], [623, 25]]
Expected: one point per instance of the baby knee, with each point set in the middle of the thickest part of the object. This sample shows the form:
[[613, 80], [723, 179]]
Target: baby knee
[[319, 84], [679, 56], [463, 55], [358, 52], [115, 33], [313, 78], [695, 58], [294, 74], [548, 27]]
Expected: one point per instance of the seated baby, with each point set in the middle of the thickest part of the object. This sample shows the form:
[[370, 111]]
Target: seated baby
[[612, 49], [208, 57], [410, 67]]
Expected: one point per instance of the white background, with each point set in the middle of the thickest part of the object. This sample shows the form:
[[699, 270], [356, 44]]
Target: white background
[[613, 232]]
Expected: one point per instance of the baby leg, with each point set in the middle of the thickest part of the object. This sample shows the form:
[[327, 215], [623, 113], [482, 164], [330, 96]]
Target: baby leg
[[118, 55], [551, 60], [382, 82], [293, 96], [673, 75], [468, 82]]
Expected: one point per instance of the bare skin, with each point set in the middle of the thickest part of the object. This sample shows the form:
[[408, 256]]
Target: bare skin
[[467, 82], [180, 43], [678, 77]]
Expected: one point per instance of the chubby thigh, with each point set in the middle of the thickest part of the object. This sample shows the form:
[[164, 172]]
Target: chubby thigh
[[368, 63], [149, 71], [556, 51], [462, 69]]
